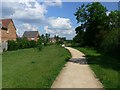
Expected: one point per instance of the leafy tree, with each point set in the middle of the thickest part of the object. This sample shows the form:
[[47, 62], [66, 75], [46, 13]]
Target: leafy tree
[[80, 35], [93, 18], [114, 19], [39, 44], [47, 37], [111, 42]]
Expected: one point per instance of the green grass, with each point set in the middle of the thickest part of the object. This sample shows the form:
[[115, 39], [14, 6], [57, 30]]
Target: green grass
[[104, 66], [29, 68]]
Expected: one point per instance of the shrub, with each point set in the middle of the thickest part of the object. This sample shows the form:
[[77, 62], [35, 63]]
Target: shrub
[[110, 42], [32, 44], [39, 44], [22, 43], [12, 45]]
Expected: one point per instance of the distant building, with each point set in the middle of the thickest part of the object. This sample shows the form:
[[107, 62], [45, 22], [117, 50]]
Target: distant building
[[57, 39], [52, 40], [31, 35], [7, 32]]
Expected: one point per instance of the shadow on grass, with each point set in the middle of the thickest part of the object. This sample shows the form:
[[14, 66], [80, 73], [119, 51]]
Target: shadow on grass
[[106, 63], [103, 61]]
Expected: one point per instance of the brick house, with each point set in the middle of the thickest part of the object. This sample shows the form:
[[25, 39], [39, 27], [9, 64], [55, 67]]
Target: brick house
[[7, 32], [31, 35], [57, 39], [52, 40]]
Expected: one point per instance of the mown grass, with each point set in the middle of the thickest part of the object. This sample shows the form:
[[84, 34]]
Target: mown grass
[[104, 66], [29, 68]]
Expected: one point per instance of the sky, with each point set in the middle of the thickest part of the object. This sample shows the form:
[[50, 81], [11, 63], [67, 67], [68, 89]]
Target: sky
[[55, 17]]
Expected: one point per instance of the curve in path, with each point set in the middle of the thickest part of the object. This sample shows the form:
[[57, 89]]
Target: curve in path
[[76, 73]]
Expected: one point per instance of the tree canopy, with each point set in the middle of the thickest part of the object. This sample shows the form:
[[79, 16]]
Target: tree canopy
[[95, 25]]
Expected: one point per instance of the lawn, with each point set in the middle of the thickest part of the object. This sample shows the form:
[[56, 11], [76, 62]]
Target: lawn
[[29, 68], [104, 66]]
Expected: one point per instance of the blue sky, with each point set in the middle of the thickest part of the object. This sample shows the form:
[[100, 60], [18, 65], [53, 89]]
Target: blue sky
[[54, 17], [68, 9]]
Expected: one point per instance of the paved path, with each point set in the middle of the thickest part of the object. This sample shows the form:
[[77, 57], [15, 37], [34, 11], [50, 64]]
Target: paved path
[[76, 73]]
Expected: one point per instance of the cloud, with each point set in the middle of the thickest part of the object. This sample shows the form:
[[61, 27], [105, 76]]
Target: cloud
[[24, 9], [32, 13], [26, 27], [59, 23], [53, 2], [60, 26]]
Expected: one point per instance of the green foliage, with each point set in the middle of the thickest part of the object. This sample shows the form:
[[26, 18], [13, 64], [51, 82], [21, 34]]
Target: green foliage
[[21, 43], [110, 42], [32, 43], [80, 35], [39, 44], [93, 18], [45, 39], [97, 29], [12, 45]]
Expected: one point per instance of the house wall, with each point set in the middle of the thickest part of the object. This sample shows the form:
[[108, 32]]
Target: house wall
[[6, 35], [9, 34], [35, 38]]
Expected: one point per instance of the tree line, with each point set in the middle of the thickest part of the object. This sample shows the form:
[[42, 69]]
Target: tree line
[[97, 28]]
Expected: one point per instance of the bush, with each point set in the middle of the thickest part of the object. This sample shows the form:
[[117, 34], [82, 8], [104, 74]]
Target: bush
[[32, 44], [39, 44], [12, 45], [22, 43], [110, 42]]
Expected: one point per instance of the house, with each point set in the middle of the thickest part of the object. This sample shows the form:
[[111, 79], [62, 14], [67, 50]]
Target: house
[[31, 35], [7, 32], [52, 40], [57, 39]]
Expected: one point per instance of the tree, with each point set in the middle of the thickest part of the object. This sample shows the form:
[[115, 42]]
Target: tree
[[39, 44], [94, 19], [80, 35], [47, 37], [111, 41]]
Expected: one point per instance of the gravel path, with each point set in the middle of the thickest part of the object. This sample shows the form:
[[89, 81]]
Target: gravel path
[[76, 73]]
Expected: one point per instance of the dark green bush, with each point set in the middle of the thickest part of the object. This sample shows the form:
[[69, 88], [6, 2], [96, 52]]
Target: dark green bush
[[22, 43], [39, 44], [12, 45], [110, 42]]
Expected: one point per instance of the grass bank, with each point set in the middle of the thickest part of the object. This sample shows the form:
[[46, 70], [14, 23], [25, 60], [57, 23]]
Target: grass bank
[[29, 68], [104, 66]]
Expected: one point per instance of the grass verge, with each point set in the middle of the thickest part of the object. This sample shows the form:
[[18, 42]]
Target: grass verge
[[29, 68], [104, 66]]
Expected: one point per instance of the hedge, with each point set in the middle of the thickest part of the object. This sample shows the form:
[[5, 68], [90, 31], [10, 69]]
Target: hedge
[[22, 43]]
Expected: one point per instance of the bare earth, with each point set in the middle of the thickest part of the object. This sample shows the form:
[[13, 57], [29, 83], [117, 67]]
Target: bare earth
[[76, 73]]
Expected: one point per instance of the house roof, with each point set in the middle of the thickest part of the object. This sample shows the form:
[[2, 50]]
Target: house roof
[[5, 22], [30, 34]]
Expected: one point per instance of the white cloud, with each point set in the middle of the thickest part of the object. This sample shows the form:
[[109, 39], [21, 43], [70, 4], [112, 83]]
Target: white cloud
[[32, 14], [26, 27], [25, 9], [59, 23], [53, 2], [60, 26]]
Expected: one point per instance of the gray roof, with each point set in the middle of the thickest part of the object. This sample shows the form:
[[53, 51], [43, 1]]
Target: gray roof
[[30, 34]]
